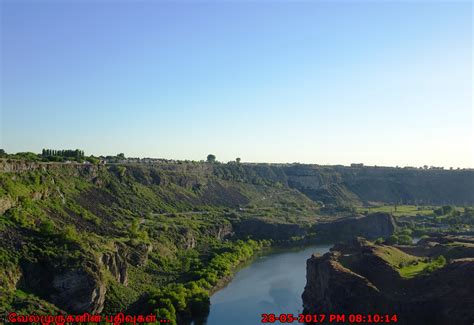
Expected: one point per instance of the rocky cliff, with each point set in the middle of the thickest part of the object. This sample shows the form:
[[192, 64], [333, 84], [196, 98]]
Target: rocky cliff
[[357, 185], [360, 277], [328, 184], [371, 226]]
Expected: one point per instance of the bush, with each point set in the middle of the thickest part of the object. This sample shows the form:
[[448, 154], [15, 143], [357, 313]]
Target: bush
[[392, 240], [435, 264], [70, 233], [47, 227], [405, 240]]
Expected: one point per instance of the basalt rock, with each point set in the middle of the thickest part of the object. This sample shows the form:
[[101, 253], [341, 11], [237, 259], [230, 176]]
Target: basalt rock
[[371, 226], [116, 263], [188, 240], [366, 284], [75, 290], [220, 231], [86, 288], [138, 254], [5, 204], [332, 288]]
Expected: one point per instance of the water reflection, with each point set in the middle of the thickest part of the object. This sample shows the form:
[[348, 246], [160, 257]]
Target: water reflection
[[271, 284]]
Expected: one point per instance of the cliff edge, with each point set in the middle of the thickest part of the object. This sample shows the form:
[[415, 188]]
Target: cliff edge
[[365, 278]]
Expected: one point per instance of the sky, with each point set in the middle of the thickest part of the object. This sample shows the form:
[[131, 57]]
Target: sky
[[327, 82]]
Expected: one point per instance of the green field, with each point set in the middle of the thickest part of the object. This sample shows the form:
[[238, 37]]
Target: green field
[[399, 210], [412, 270]]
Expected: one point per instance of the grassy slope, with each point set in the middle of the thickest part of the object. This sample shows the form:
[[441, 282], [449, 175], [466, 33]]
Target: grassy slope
[[68, 215], [408, 266]]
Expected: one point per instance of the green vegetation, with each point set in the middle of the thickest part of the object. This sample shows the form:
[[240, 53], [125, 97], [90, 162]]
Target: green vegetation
[[191, 299], [398, 210], [401, 237], [62, 155], [419, 267], [51, 155], [211, 158], [407, 265], [394, 256]]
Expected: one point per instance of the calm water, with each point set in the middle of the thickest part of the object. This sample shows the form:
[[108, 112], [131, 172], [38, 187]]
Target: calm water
[[270, 284]]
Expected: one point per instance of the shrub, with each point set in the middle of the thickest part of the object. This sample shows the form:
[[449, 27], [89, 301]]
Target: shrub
[[47, 227]]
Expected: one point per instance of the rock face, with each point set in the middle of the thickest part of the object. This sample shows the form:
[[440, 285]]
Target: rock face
[[372, 226], [221, 231], [116, 263], [331, 287], [367, 284], [188, 240], [5, 204], [87, 290], [382, 184], [138, 255], [77, 289]]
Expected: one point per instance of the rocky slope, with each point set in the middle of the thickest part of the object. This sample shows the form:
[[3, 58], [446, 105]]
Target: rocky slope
[[107, 235], [360, 277], [344, 185]]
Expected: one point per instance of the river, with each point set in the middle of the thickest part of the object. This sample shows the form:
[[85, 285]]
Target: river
[[272, 283]]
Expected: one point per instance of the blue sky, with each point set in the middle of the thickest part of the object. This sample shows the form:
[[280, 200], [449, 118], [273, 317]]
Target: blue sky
[[383, 83]]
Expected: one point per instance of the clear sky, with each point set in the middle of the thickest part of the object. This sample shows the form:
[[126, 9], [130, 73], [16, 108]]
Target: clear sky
[[328, 82]]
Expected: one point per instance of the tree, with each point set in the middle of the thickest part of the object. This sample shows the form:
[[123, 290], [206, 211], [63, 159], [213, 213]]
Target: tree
[[211, 158], [392, 240], [121, 155], [237, 160]]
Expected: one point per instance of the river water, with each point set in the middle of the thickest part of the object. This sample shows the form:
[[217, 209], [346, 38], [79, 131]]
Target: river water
[[272, 283]]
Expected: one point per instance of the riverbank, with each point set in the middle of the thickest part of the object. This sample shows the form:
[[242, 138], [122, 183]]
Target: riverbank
[[277, 248], [271, 283], [260, 249]]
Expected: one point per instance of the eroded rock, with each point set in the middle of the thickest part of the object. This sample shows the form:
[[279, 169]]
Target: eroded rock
[[78, 291], [366, 284], [116, 263]]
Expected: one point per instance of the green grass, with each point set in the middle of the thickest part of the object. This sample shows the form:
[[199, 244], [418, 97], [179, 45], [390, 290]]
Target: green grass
[[408, 266], [412, 270], [422, 267], [394, 256], [399, 210]]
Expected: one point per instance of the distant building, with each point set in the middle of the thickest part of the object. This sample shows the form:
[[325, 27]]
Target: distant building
[[357, 165]]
